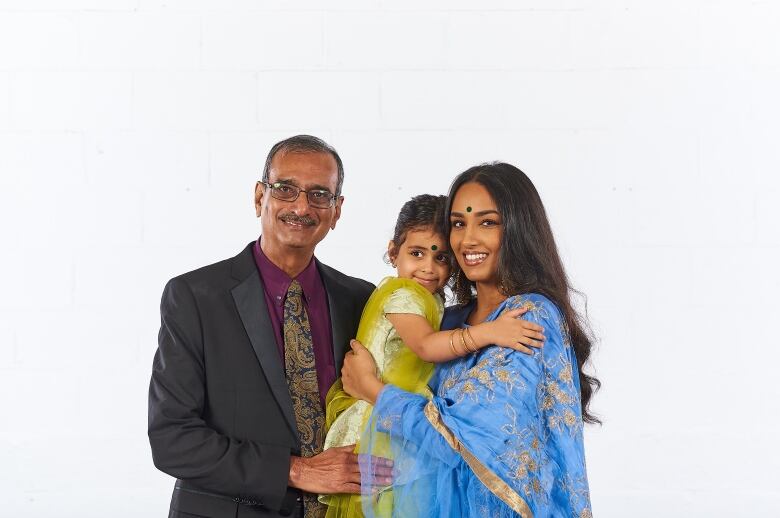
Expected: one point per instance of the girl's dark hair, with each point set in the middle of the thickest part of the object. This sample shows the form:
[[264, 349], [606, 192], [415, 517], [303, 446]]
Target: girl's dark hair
[[528, 261], [423, 211]]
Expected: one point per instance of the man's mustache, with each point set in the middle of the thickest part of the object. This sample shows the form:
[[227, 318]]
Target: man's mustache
[[300, 220]]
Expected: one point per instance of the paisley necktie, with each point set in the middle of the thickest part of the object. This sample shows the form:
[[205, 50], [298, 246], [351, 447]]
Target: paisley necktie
[[301, 374]]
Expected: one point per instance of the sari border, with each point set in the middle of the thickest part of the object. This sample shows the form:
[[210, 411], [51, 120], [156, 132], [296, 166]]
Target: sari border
[[493, 482]]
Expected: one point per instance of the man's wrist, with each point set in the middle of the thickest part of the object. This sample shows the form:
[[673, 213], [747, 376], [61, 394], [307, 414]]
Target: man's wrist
[[296, 467]]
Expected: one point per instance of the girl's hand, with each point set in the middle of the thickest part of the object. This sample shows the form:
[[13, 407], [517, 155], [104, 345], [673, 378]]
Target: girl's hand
[[358, 376], [510, 331]]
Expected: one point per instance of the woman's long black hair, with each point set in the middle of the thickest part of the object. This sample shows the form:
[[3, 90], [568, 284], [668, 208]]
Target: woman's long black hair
[[528, 261]]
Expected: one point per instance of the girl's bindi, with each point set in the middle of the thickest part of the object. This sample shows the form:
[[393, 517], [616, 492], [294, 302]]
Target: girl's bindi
[[434, 247], [468, 209]]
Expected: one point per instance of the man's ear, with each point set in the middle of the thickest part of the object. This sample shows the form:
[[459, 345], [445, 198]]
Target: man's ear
[[337, 214], [259, 191]]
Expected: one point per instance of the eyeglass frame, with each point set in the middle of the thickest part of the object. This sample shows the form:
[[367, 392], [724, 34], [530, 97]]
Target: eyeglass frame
[[332, 196]]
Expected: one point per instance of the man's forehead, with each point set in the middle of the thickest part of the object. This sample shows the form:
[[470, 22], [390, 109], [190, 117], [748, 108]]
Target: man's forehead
[[305, 169]]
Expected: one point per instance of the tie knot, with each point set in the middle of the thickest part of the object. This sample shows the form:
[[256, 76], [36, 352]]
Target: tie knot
[[295, 289]]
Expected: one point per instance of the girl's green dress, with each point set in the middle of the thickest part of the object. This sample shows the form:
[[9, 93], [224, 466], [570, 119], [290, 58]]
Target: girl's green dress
[[345, 417]]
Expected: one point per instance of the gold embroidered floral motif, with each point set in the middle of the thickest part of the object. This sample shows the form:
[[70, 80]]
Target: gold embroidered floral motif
[[491, 367], [387, 422], [579, 496], [565, 374], [559, 401], [468, 388], [536, 309], [449, 384], [564, 330]]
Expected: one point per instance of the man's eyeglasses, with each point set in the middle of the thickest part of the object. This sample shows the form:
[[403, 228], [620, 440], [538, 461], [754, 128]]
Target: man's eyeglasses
[[318, 198]]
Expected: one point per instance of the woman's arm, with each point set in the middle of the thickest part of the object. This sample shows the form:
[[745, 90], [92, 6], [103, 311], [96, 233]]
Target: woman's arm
[[437, 347]]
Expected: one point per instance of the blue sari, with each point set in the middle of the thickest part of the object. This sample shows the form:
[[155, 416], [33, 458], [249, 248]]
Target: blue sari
[[501, 437]]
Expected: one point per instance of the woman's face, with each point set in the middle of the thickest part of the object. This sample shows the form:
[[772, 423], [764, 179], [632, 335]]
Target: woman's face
[[476, 231]]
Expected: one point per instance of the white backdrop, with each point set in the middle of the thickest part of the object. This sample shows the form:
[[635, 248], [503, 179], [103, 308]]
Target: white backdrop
[[132, 132]]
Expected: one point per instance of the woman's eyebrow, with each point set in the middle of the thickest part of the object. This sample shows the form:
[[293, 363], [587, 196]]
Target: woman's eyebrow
[[478, 214]]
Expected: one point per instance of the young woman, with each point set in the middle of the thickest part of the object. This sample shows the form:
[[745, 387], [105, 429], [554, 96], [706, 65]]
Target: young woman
[[400, 325], [502, 435]]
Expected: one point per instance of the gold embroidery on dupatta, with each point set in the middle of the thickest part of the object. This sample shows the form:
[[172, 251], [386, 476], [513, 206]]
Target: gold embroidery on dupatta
[[492, 481], [523, 456], [557, 395], [484, 374]]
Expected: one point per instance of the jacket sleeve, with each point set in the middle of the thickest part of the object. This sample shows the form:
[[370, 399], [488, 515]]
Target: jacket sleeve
[[183, 444]]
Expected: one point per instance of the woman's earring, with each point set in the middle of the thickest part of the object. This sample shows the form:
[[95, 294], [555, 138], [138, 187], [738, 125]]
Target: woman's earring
[[459, 285], [393, 264]]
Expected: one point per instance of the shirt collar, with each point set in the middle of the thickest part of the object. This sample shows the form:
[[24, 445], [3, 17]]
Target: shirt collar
[[277, 282]]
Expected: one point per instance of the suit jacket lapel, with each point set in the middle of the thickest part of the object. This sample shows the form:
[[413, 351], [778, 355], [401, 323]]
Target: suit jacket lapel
[[340, 317], [250, 302]]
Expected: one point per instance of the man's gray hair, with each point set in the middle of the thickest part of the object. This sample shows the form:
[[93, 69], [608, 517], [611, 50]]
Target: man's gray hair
[[304, 144]]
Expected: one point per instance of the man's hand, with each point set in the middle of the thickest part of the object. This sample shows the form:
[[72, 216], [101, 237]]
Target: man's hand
[[335, 470]]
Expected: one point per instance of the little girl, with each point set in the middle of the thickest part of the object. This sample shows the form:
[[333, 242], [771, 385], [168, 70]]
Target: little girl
[[399, 326]]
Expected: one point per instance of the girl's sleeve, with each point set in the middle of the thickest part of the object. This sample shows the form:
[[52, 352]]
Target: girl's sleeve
[[405, 301]]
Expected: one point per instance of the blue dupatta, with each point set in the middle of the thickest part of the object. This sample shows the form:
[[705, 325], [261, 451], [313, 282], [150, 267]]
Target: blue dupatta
[[501, 437]]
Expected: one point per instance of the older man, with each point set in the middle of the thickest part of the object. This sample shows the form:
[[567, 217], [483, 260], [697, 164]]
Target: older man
[[248, 348]]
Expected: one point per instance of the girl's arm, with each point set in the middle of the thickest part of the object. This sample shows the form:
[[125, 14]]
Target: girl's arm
[[432, 346]]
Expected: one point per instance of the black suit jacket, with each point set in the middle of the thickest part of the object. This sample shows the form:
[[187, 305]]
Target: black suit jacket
[[220, 415]]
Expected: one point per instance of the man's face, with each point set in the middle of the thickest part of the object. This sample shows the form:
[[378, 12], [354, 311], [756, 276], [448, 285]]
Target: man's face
[[296, 224]]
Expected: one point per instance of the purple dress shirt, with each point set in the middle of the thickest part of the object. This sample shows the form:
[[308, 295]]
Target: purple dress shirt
[[315, 300]]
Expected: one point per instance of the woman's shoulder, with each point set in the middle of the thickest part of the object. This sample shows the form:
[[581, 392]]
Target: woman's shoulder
[[455, 316], [539, 306]]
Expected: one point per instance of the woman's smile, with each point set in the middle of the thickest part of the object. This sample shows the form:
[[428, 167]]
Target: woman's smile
[[474, 258]]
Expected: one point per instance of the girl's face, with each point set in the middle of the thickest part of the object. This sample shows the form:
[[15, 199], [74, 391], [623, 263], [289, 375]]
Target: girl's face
[[422, 257], [476, 229]]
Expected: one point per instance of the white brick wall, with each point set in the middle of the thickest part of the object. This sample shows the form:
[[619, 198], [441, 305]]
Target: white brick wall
[[140, 40], [71, 100], [195, 100], [132, 132], [257, 41], [321, 100], [385, 40]]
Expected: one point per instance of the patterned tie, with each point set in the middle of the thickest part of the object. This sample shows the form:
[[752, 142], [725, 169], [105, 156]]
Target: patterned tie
[[302, 379]]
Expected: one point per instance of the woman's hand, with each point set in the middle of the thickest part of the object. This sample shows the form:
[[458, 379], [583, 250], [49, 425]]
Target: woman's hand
[[358, 376], [508, 330]]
